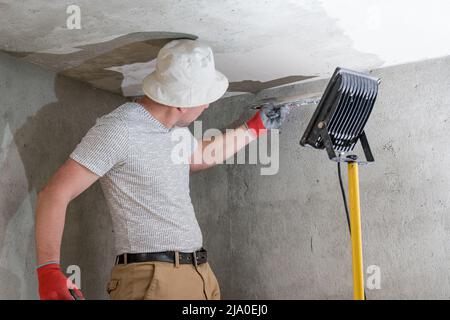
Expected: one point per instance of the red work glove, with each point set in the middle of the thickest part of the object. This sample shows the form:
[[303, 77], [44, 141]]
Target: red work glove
[[256, 124], [53, 284], [268, 117]]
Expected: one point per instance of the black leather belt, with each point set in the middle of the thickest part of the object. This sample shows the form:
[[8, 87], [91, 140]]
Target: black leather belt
[[197, 257]]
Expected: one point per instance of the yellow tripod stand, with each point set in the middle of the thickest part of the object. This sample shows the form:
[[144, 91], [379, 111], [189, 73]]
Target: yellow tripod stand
[[355, 227]]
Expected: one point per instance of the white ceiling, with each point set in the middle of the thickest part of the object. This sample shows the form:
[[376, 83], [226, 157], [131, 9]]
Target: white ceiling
[[257, 43]]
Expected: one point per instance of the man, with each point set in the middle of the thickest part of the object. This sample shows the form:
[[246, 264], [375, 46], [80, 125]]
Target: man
[[158, 241]]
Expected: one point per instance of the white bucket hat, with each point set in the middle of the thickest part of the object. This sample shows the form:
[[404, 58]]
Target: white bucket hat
[[185, 76]]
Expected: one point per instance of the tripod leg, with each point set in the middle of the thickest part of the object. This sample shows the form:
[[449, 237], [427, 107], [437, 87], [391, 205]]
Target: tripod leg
[[355, 226]]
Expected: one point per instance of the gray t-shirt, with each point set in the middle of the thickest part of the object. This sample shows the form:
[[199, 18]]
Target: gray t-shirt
[[147, 192]]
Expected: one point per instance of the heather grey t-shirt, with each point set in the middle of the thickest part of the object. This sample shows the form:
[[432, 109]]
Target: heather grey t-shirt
[[145, 186]]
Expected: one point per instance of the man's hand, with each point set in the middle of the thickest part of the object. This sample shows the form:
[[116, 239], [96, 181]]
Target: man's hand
[[53, 285], [269, 116]]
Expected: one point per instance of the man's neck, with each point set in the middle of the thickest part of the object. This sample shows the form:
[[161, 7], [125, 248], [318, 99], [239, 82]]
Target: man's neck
[[164, 114]]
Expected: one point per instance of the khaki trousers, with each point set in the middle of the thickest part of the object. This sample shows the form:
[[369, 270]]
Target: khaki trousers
[[163, 281]]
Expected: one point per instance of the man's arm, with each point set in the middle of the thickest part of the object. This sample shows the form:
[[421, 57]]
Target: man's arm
[[67, 183], [224, 145]]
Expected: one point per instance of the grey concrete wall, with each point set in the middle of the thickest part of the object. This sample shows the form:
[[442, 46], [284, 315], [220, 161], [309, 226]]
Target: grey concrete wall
[[42, 118], [285, 236]]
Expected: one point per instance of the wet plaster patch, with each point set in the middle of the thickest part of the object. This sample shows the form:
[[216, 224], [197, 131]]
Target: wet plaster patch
[[97, 64], [253, 86]]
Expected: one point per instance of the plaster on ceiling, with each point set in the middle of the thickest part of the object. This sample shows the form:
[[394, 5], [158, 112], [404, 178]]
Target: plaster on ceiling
[[257, 44]]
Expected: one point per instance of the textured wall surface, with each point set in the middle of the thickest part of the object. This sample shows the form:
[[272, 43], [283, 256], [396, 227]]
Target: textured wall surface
[[285, 236], [42, 118]]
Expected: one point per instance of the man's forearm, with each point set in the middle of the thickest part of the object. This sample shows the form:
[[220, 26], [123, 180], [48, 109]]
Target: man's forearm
[[230, 143], [220, 148], [50, 218]]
